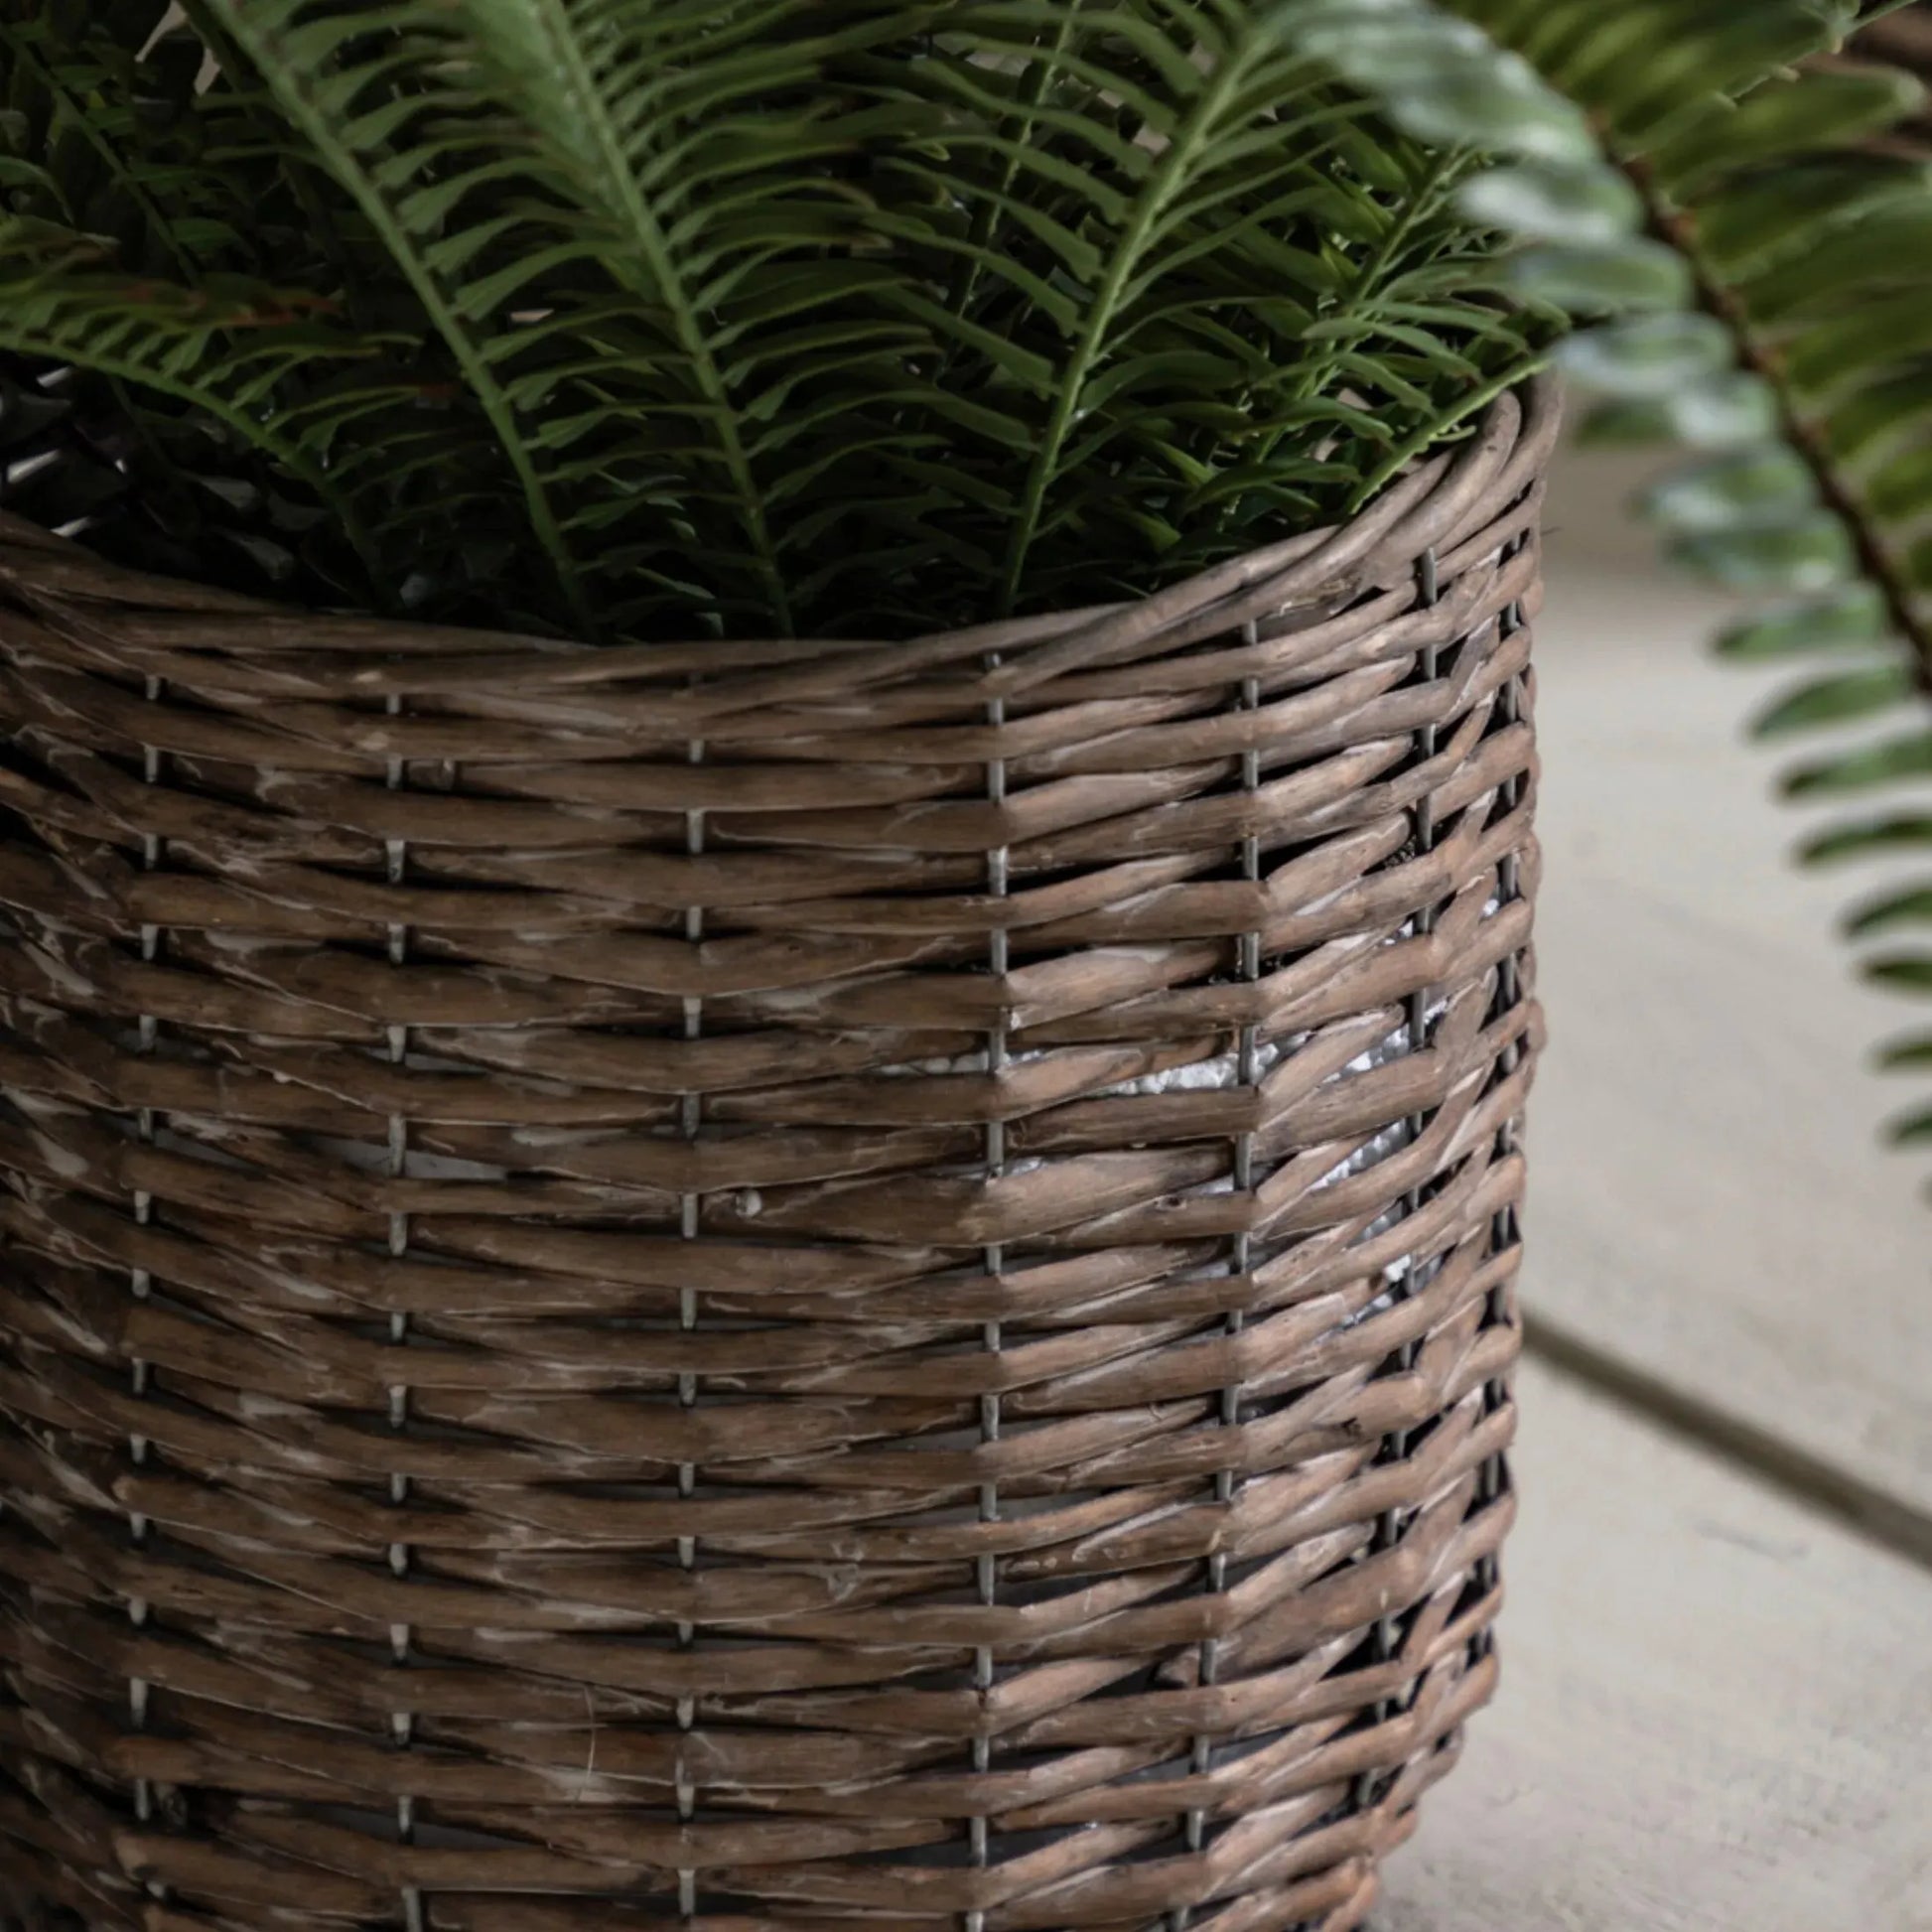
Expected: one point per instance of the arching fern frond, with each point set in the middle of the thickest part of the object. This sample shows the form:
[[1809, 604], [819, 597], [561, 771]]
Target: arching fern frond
[[385, 104], [246, 354], [788, 315], [708, 161], [578, 80], [187, 187], [1188, 287], [1748, 249]]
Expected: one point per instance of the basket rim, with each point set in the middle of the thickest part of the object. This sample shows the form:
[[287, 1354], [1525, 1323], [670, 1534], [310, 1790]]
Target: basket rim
[[64, 586]]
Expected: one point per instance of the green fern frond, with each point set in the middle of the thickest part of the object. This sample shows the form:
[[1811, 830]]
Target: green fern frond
[[704, 162], [1749, 255], [777, 315], [1205, 126], [231, 349], [564, 62], [637, 229], [386, 107], [1180, 283]]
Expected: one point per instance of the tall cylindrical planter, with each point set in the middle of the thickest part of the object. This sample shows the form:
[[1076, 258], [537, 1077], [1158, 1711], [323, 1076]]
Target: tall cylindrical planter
[[835, 1286]]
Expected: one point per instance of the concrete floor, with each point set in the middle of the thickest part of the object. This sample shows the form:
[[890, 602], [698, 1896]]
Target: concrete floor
[[1709, 1195]]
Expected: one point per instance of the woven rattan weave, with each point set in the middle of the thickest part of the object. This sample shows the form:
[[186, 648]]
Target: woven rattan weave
[[835, 1286]]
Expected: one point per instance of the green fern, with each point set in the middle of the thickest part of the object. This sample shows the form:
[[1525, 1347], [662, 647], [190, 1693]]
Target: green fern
[[387, 110], [228, 351], [785, 314], [638, 234], [291, 453], [85, 127], [1753, 259], [1195, 295]]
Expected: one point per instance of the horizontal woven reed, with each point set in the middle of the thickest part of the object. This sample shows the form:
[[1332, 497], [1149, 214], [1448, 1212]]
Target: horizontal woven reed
[[761, 1285]]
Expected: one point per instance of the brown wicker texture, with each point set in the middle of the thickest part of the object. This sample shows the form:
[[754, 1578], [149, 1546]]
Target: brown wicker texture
[[761, 1285]]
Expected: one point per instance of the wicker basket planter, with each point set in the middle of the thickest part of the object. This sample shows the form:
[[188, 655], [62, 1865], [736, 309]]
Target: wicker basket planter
[[761, 1285]]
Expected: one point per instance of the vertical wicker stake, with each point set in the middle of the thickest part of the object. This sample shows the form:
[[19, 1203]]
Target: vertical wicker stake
[[1226, 1485], [1505, 1227], [402, 1723], [987, 1567], [1388, 1530], [690, 1223], [140, 1281], [1235, 1330]]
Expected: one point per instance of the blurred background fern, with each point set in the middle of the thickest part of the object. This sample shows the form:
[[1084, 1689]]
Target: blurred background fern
[[631, 319]]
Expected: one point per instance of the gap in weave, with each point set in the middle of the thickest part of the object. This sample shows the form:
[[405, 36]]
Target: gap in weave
[[21, 755]]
